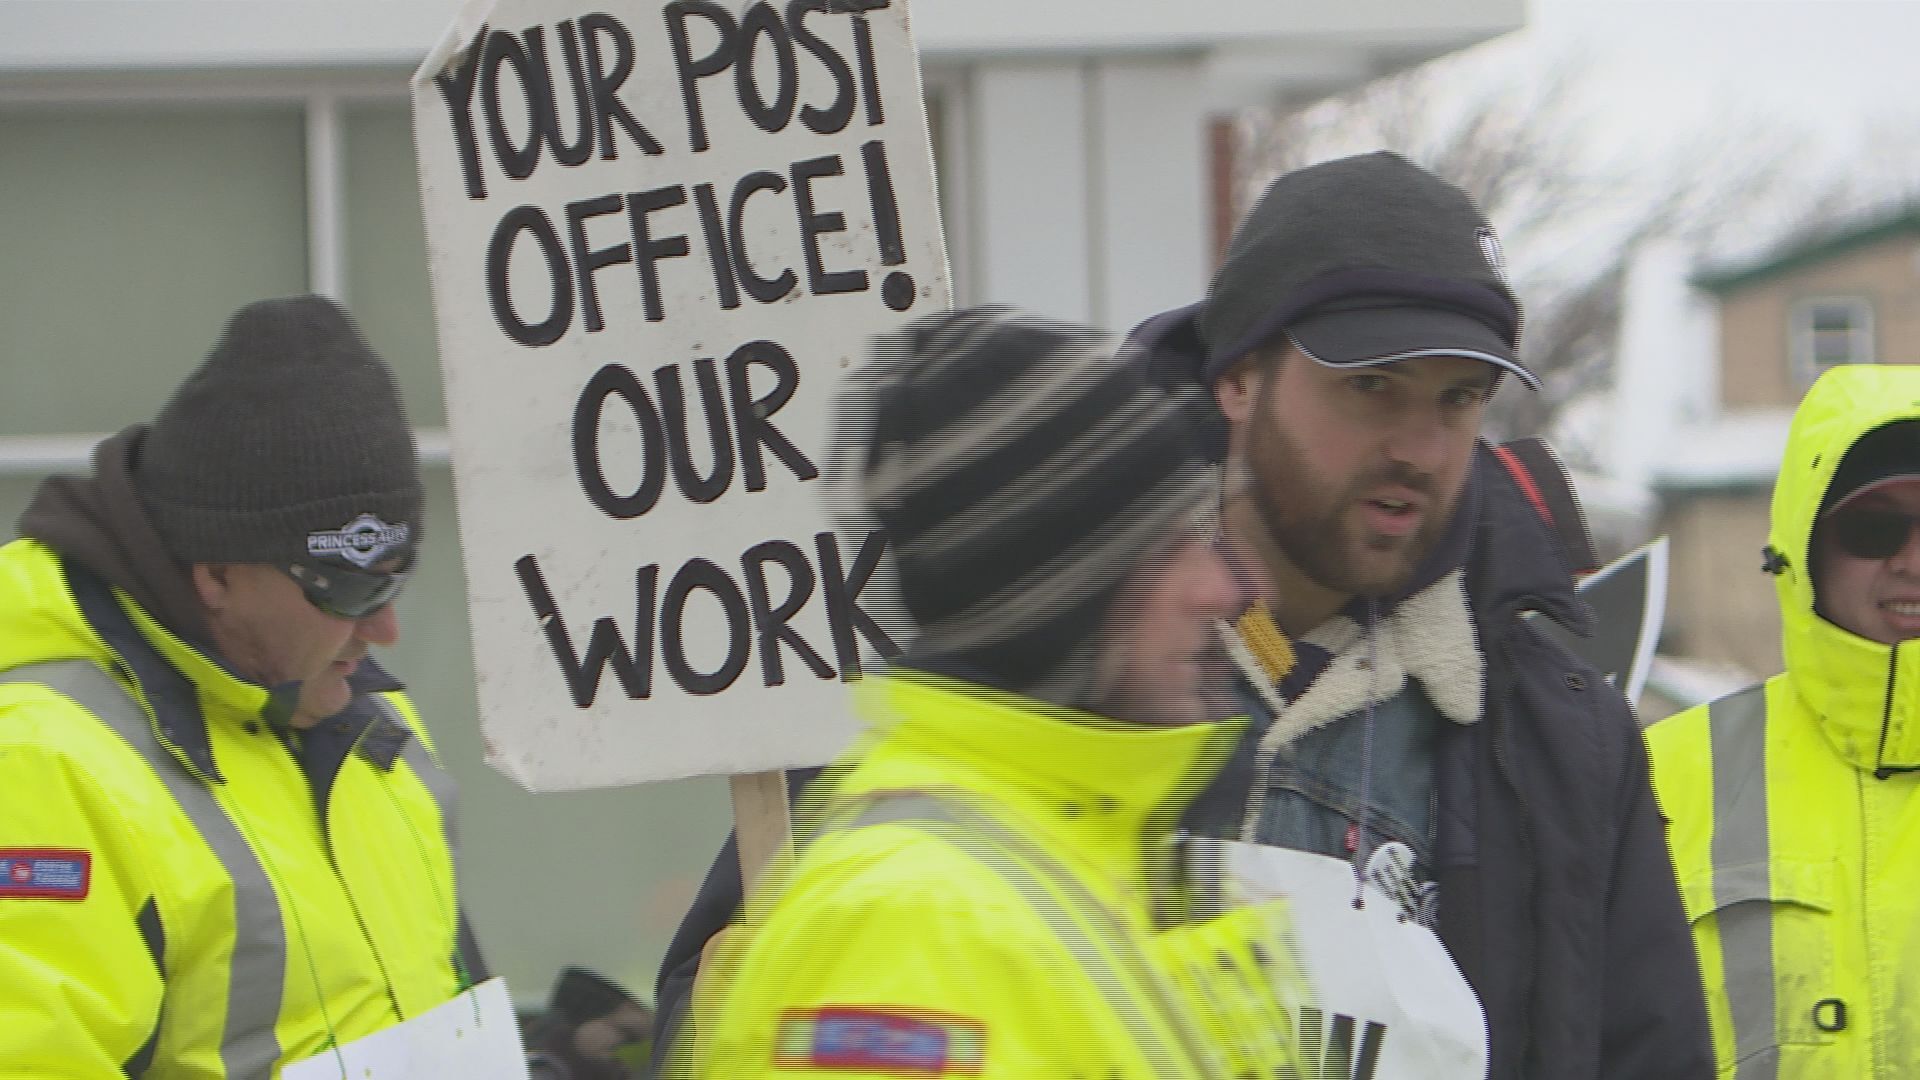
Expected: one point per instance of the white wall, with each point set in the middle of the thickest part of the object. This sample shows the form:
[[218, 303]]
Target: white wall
[[1073, 149], [1085, 187]]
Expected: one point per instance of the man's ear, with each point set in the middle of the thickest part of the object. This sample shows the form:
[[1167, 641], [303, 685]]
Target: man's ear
[[211, 582], [1237, 391]]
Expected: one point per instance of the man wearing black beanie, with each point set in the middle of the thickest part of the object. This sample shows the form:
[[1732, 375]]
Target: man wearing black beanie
[[225, 838]]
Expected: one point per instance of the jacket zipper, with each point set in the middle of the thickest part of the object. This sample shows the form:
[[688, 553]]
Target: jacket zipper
[[353, 903], [1882, 770], [1864, 795], [153, 719]]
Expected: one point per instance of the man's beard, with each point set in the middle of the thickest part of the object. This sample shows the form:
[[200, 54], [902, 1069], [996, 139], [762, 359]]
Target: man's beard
[[1313, 527]]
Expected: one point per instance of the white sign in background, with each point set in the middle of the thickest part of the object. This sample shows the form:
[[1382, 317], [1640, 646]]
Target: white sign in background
[[658, 237]]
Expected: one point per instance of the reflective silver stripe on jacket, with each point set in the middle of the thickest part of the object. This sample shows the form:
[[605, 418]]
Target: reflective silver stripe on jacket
[[1036, 876], [248, 1048], [1741, 872]]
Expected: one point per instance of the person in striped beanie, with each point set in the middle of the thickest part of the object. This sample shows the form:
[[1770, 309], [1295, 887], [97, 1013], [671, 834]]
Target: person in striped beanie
[[986, 884], [1021, 473]]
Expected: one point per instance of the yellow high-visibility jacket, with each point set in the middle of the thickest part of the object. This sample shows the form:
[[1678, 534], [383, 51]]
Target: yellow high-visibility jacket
[[976, 896], [1795, 805], [176, 900]]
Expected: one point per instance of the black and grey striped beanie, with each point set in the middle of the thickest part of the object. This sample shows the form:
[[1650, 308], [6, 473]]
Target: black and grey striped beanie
[[288, 443], [1022, 471]]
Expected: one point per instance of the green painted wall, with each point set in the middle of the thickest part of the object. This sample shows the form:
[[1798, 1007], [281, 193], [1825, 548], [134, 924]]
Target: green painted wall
[[129, 237], [132, 234]]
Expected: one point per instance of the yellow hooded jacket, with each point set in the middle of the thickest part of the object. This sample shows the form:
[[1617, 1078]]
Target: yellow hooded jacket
[[979, 899], [174, 903], [1795, 806]]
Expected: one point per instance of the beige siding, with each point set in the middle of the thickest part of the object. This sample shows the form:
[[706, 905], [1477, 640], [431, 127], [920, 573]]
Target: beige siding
[[1756, 369], [1720, 606]]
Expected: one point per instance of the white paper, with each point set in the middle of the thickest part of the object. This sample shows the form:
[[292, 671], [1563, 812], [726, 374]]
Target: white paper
[[473, 1037], [1385, 980]]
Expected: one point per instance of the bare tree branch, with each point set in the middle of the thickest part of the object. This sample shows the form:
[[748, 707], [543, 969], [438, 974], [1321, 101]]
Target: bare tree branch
[[1516, 137]]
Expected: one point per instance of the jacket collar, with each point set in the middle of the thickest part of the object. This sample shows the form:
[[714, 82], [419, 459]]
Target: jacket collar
[[1865, 695], [179, 683], [1073, 763], [1429, 637]]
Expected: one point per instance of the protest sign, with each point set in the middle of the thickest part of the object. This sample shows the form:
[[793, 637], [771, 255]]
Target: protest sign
[[1629, 601], [658, 237]]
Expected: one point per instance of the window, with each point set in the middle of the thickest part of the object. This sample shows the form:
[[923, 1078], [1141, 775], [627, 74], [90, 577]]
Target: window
[[1828, 331]]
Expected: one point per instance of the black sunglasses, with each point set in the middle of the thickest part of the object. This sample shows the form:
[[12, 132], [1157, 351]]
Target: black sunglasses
[[1867, 533], [347, 594]]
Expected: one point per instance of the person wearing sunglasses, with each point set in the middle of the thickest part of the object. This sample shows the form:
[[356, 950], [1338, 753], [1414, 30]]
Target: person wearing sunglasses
[[1795, 804], [224, 834]]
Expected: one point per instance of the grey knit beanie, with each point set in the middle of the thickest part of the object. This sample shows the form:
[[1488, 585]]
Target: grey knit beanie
[[288, 444]]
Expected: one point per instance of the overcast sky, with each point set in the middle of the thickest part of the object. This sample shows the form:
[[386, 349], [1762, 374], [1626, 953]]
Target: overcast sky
[[1830, 69]]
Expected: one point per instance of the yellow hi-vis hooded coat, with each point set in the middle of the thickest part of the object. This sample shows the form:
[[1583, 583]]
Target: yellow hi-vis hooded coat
[[1795, 805], [175, 900], [978, 900]]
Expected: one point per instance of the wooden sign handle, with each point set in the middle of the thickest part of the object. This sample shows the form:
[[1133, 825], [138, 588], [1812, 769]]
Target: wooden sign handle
[[761, 826]]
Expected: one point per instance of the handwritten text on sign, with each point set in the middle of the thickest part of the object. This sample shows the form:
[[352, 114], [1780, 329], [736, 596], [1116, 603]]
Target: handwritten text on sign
[[657, 242]]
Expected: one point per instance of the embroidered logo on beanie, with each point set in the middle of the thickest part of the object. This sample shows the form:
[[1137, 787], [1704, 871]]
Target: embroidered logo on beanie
[[363, 541], [292, 425]]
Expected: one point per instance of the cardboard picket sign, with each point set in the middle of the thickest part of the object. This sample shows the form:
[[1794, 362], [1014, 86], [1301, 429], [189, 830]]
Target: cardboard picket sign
[[658, 236], [1629, 601]]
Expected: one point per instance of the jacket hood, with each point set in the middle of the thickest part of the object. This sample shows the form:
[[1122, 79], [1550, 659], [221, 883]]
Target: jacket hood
[[101, 522], [1517, 561], [40, 623], [44, 621], [1866, 694]]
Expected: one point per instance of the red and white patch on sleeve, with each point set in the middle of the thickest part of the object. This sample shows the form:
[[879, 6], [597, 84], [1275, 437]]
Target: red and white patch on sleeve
[[881, 1039], [45, 873]]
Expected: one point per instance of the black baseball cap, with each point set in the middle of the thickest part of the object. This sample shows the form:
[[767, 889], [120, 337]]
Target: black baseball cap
[[1882, 456], [1362, 261]]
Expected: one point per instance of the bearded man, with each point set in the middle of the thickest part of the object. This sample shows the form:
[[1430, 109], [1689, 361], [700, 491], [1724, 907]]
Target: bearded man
[[1408, 721]]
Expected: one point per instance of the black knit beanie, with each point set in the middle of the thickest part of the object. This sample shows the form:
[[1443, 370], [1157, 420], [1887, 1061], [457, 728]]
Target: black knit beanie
[[288, 444], [1022, 473]]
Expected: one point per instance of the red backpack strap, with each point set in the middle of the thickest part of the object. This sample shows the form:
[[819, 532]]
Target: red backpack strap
[[1538, 473]]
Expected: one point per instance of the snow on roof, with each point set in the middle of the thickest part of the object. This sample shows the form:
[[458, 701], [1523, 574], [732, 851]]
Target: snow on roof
[[1739, 449], [1609, 501], [1687, 682]]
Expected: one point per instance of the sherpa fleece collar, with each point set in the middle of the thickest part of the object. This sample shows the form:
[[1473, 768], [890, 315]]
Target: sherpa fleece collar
[[1428, 637]]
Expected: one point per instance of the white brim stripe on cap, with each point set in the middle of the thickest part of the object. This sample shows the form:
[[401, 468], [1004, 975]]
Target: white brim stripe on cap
[[1528, 377]]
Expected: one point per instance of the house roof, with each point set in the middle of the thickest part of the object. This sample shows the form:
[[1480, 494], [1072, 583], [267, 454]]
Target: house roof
[[1297, 41], [1809, 250], [1688, 681], [1738, 451]]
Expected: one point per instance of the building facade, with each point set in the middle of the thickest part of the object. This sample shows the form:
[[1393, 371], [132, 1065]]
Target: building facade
[[1851, 296], [164, 161]]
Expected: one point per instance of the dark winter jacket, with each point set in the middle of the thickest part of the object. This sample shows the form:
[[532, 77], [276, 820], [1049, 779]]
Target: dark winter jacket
[[1558, 898], [1557, 895]]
